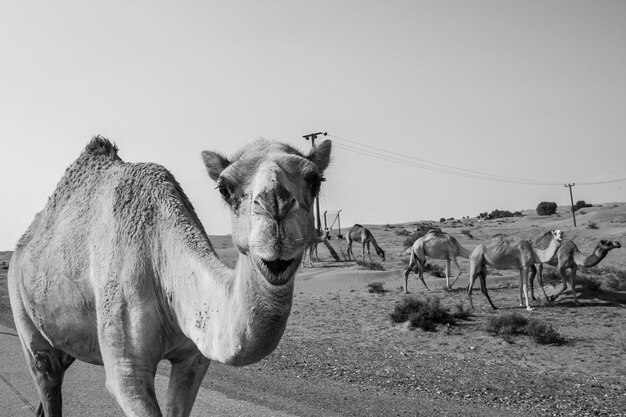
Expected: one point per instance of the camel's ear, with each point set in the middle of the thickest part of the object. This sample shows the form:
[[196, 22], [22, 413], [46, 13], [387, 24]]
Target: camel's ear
[[320, 155], [215, 163]]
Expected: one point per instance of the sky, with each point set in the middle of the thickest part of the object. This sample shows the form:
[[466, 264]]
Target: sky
[[437, 108]]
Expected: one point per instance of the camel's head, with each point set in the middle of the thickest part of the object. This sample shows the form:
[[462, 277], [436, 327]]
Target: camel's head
[[608, 245], [558, 235], [381, 253], [270, 188]]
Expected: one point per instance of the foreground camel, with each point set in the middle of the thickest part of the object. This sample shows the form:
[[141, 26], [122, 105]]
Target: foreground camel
[[117, 270], [362, 235], [437, 245], [503, 252], [568, 256]]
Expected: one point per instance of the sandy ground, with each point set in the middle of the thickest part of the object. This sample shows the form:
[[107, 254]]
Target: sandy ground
[[341, 355]]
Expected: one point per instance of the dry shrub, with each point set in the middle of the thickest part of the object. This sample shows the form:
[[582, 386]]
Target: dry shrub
[[435, 270], [467, 233], [613, 278], [376, 288], [461, 313], [588, 283], [372, 266], [543, 333], [592, 225], [514, 324], [423, 313], [506, 325], [550, 276]]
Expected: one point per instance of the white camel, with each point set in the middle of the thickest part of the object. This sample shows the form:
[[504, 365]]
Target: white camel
[[437, 245], [117, 270], [568, 256], [504, 252]]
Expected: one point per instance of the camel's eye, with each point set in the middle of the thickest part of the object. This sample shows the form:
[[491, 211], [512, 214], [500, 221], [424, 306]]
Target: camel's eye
[[223, 189], [314, 181]]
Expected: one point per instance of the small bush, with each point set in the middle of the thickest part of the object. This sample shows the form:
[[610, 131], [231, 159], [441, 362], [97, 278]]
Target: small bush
[[588, 283], [461, 313], [507, 325], [434, 270], [376, 288], [372, 266], [422, 313], [546, 208], [467, 233], [581, 204], [543, 333], [514, 324], [592, 225], [550, 276], [500, 214], [613, 278], [441, 220]]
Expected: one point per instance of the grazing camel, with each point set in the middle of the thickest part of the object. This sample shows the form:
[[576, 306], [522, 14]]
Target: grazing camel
[[312, 250], [362, 235], [568, 256], [438, 245], [117, 270], [503, 252]]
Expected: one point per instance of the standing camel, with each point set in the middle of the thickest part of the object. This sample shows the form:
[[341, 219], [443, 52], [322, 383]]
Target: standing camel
[[437, 245], [362, 235], [117, 270], [503, 252], [312, 250], [568, 256]]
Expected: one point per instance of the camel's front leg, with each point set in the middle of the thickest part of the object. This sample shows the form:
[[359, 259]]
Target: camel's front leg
[[185, 379], [543, 287], [572, 281], [524, 288], [131, 351], [454, 261], [421, 274], [563, 275], [483, 287]]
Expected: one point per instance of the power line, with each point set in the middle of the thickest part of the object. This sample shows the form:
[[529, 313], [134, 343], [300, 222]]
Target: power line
[[406, 160], [434, 169]]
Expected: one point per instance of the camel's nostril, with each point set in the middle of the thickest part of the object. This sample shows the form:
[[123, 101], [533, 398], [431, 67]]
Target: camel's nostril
[[275, 202]]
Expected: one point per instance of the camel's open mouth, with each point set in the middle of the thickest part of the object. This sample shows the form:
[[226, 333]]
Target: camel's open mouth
[[277, 271]]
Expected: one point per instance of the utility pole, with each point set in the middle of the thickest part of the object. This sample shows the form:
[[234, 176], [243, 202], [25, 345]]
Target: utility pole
[[312, 137], [571, 199]]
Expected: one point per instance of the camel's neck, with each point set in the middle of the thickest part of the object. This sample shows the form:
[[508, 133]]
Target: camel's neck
[[545, 255], [464, 253], [588, 261], [233, 316]]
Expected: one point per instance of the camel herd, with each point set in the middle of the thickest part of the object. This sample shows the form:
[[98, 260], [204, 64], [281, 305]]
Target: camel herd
[[500, 252], [117, 270]]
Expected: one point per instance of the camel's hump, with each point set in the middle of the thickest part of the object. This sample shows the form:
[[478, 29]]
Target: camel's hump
[[99, 145]]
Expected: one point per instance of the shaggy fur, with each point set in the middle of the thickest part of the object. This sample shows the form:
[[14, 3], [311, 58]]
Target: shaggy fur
[[117, 270]]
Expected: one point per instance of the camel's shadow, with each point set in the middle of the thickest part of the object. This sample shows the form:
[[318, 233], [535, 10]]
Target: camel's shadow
[[589, 298]]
